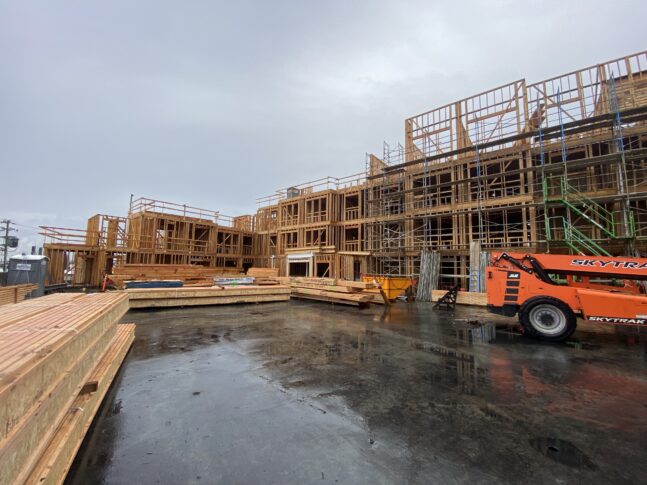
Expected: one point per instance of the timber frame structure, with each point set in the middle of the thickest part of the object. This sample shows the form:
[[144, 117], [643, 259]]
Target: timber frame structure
[[558, 165], [154, 232]]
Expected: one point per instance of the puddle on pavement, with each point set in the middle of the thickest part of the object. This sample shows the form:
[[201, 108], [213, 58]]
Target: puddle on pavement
[[563, 452]]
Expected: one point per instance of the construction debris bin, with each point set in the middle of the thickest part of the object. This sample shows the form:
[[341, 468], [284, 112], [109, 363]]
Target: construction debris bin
[[393, 286]]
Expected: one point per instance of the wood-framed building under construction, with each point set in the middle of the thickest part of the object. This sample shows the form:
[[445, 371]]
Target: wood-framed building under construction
[[558, 165], [154, 232]]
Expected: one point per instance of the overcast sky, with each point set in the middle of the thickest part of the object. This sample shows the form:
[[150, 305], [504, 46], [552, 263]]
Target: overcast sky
[[214, 104]]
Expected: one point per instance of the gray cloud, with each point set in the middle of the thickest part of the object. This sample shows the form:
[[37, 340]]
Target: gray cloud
[[216, 103]]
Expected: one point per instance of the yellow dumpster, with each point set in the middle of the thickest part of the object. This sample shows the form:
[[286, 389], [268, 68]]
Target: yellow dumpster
[[393, 286]]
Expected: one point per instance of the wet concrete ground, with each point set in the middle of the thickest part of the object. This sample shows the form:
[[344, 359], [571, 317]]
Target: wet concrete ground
[[312, 393]]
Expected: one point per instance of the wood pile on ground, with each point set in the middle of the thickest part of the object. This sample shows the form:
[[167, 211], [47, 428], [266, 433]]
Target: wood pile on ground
[[15, 293], [59, 355], [216, 295], [264, 276], [463, 297], [189, 274], [333, 290]]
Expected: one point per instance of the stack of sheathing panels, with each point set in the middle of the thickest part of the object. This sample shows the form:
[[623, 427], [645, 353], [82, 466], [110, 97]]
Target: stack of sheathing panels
[[331, 290], [463, 297], [55, 351], [217, 295], [15, 293]]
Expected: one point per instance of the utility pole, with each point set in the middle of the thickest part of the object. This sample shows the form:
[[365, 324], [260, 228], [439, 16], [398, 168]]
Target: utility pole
[[5, 244]]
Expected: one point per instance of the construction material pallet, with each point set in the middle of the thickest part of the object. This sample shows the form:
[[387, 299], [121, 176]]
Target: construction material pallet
[[49, 352], [166, 297]]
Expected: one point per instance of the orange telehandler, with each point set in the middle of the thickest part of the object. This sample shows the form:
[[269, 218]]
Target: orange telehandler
[[550, 291]]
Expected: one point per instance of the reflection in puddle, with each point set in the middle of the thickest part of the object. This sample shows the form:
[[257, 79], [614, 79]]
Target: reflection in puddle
[[562, 451], [471, 333]]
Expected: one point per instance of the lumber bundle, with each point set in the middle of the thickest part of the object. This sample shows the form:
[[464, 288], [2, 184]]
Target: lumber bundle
[[53, 349], [15, 293], [189, 274], [217, 295], [463, 297], [263, 272], [264, 276], [332, 290]]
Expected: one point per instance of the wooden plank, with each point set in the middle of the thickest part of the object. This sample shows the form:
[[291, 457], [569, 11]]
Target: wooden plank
[[37, 349], [334, 288], [362, 285], [328, 299], [463, 298], [221, 300], [55, 462], [20, 450], [358, 297], [45, 356], [14, 313], [224, 292]]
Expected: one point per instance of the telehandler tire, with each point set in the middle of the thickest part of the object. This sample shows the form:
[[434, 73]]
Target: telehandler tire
[[546, 318]]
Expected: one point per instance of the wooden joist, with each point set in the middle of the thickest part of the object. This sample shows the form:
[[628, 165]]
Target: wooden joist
[[15, 293], [49, 349]]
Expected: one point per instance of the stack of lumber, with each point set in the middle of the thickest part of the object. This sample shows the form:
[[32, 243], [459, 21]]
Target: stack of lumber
[[463, 297], [15, 293], [264, 276], [59, 355], [332, 290], [217, 295], [189, 274]]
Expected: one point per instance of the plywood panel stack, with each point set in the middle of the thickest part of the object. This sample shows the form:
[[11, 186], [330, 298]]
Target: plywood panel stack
[[15, 293], [54, 350], [331, 290], [217, 295]]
